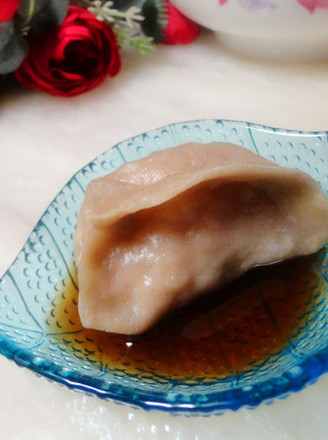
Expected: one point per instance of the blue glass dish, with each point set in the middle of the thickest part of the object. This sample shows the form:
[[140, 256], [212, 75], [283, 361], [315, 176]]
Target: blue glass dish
[[35, 335]]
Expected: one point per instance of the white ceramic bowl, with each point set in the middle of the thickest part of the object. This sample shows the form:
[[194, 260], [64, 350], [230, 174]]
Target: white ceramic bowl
[[294, 30]]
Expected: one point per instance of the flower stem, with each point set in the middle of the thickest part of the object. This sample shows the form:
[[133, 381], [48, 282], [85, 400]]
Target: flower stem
[[30, 12]]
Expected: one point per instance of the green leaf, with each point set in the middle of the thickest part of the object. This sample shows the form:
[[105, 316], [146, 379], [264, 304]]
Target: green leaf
[[6, 32], [143, 44], [139, 41], [155, 19], [43, 15], [12, 54]]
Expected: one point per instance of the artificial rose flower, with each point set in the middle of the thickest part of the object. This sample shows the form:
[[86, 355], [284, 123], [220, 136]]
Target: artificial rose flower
[[166, 24], [74, 58], [8, 9], [179, 29]]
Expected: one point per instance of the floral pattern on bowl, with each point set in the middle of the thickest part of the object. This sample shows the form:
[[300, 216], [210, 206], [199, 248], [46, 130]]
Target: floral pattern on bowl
[[288, 30], [256, 6]]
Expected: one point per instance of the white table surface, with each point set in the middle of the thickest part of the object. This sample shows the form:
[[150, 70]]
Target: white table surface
[[44, 140]]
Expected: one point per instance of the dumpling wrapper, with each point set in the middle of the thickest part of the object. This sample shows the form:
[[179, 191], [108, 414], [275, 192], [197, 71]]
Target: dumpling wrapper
[[160, 231]]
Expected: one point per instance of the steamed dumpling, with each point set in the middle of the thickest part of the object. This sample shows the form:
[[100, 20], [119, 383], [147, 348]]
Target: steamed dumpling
[[160, 231]]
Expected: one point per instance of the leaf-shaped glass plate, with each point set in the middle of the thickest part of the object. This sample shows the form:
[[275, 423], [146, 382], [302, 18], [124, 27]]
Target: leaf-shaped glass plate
[[40, 329]]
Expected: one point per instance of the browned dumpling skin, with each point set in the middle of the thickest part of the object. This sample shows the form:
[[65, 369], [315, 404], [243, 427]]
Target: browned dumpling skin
[[160, 231]]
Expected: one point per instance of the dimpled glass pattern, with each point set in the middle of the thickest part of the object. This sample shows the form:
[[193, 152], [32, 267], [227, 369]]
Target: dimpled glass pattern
[[34, 335]]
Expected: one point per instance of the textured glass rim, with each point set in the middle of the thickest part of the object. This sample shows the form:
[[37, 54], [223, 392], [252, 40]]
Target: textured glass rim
[[217, 402]]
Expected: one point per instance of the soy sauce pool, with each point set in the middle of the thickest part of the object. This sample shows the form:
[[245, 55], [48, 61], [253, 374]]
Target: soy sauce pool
[[219, 335]]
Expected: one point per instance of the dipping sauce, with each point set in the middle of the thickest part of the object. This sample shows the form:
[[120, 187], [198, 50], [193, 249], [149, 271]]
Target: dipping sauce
[[229, 331]]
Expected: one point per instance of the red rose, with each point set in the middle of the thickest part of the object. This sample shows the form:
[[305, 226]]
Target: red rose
[[8, 9], [180, 29], [74, 58], [166, 24]]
